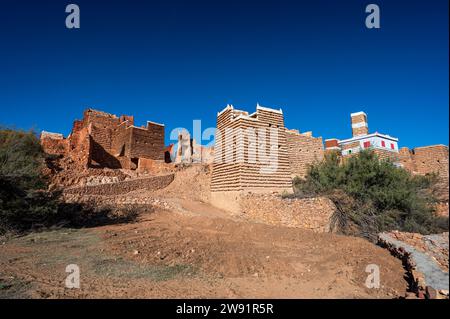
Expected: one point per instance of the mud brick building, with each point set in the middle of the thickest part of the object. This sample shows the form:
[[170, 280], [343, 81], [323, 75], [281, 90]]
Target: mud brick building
[[105, 140], [256, 153], [242, 151], [383, 145]]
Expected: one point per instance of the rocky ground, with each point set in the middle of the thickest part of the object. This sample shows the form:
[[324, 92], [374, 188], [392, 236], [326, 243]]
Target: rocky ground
[[182, 247]]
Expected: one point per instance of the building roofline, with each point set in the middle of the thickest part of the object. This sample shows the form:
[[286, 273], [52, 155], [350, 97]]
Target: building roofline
[[430, 146], [138, 127], [155, 123], [263, 108], [360, 137], [228, 107]]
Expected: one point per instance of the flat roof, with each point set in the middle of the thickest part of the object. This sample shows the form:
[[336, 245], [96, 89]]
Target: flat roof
[[259, 107], [357, 138]]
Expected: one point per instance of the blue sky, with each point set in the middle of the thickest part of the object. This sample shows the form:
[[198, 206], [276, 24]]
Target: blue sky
[[176, 61]]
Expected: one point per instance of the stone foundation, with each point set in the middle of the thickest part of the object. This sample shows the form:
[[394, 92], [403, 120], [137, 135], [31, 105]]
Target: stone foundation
[[151, 183]]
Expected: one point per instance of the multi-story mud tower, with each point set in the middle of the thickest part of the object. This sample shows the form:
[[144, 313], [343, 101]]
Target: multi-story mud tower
[[251, 154]]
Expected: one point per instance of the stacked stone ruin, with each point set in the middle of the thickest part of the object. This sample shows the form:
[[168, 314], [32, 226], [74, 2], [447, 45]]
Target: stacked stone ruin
[[105, 140]]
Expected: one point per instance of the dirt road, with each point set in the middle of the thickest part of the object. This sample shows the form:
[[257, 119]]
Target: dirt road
[[189, 255]]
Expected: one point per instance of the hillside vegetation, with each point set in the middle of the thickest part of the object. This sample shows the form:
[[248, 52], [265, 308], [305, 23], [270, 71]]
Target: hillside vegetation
[[26, 203], [373, 195]]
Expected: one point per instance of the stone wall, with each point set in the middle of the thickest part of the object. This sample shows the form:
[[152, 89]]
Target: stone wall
[[430, 159], [309, 213], [304, 150], [426, 160], [151, 183], [425, 258], [54, 143]]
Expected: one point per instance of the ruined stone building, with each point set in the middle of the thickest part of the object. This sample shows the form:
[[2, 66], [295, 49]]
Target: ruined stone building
[[385, 146], [188, 151], [256, 153], [105, 140]]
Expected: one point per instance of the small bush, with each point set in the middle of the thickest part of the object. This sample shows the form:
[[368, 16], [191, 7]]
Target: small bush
[[25, 202], [373, 195]]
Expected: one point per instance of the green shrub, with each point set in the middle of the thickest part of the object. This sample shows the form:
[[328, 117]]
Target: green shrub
[[373, 195], [24, 201]]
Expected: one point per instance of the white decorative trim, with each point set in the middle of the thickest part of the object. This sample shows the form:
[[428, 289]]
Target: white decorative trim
[[263, 108], [360, 124], [358, 113], [138, 127], [155, 123], [228, 107]]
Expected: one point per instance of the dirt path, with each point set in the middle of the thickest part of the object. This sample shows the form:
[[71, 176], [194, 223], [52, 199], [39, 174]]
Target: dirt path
[[179, 255]]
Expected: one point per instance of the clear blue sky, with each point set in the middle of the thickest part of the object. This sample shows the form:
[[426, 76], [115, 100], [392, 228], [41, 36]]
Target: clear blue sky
[[175, 61]]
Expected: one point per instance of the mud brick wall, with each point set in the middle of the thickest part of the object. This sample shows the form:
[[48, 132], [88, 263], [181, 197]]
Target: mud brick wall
[[406, 160], [430, 159], [309, 213], [239, 174], [121, 140], [303, 151], [427, 159], [147, 143], [54, 144], [151, 184]]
